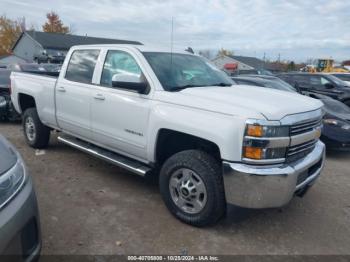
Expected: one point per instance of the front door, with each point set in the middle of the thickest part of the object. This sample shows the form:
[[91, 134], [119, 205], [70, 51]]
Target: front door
[[119, 117]]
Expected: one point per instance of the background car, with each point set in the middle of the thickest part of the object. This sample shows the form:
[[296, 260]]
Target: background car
[[7, 112], [336, 125], [51, 67], [319, 83], [264, 81], [26, 67], [19, 216], [342, 76], [336, 121]]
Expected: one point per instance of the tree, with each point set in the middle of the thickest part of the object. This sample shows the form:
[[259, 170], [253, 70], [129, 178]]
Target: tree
[[10, 30], [205, 53], [224, 52], [291, 66], [54, 24]]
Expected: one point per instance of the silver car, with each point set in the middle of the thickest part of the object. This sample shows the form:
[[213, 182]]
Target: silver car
[[20, 238]]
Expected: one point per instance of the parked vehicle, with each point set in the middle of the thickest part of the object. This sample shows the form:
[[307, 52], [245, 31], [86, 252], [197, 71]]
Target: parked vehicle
[[343, 76], [323, 84], [51, 67], [19, 217], [7, 112], [336, 125], [26, 67], [336, 121], [264, 81], [148, 110]]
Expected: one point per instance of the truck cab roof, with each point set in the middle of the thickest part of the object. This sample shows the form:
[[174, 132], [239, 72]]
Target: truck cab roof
[[141, 48]]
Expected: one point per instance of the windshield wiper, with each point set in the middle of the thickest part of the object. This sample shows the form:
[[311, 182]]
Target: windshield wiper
[[179, 88], [222, 84]]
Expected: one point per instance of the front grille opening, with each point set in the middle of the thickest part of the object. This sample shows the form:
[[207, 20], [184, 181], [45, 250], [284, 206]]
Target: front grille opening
[[29, 237], [300, 151]]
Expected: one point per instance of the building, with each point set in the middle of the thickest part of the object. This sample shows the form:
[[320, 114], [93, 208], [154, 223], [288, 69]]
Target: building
[[35, 46], [243, 63], [10, 59]]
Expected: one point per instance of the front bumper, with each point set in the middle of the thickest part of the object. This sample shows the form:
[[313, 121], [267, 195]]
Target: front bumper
[[20, 238], [271, 186]]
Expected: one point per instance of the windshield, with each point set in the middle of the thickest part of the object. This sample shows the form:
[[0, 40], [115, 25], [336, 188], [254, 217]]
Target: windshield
[[283, 85], [332, 105], [336, 80], [344, 77], [179, 71]]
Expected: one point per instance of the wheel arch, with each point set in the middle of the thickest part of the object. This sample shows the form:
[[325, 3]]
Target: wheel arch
[[170, 142], [25, 101]]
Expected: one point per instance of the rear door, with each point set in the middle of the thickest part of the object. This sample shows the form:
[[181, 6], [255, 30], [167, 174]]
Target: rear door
[[119, 117], [302, 82], [73, 93]]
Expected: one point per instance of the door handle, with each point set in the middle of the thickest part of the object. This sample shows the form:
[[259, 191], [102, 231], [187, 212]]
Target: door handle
[[99, 97], [61, 89]]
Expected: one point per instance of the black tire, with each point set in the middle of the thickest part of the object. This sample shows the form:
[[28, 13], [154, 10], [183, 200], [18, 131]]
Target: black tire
[[41, 136], [209, 171]]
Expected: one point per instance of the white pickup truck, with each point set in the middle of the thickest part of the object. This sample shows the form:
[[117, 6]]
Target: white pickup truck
[[210, 142]]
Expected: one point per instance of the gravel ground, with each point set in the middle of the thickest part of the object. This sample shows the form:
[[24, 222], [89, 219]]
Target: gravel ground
[[88, 206]]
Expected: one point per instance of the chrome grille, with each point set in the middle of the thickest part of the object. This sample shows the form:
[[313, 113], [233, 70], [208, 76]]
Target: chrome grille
[[293, 150], [299, 151], [300, 128]]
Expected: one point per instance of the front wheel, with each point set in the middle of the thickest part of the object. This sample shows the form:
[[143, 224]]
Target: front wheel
[[36, 133], [192, 188]]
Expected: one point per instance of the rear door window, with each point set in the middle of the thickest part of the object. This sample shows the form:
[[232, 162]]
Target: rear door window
[[82, 65]]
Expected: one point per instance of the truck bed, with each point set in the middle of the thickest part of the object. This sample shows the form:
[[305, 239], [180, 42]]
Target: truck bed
[[40, 86]]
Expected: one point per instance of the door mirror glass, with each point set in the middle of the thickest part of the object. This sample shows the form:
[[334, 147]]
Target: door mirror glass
[[129, 82]]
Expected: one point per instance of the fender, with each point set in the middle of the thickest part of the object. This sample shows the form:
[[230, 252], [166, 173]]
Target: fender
[[223, 130]]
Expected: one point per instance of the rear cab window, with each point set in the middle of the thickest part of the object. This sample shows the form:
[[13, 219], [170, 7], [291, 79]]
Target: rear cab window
[[81, 66]]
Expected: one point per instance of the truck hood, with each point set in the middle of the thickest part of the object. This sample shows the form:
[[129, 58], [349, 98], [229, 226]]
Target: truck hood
[[252, 102]]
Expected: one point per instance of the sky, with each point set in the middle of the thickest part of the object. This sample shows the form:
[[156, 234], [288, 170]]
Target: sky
[[294, 30]]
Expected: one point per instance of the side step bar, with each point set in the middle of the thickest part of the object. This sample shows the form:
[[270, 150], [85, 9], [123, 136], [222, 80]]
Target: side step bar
[[114, 158]]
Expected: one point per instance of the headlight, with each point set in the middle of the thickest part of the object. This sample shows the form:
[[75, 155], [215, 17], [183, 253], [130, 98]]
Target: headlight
[[337, 122], [333, 122], [10, 183], [265, 144], [267, 131]]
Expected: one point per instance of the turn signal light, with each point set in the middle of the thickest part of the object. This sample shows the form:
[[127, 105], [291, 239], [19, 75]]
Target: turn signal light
[[255, 130], [253, 152]]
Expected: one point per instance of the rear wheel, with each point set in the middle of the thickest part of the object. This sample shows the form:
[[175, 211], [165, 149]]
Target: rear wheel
[[36, 133], [192, 187]]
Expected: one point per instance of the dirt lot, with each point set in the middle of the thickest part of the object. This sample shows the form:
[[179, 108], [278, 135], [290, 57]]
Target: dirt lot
[[88, 206]]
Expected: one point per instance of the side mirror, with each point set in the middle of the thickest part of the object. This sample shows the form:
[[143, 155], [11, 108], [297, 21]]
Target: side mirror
[[329, 86], [130, 82]]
